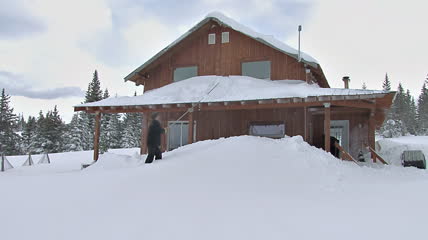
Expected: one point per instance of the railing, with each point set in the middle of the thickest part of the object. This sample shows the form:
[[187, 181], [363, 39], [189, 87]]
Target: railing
[[375, 156], [344, 154]]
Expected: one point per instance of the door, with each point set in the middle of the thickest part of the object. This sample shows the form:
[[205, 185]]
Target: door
[[340, 130], [177, 134]]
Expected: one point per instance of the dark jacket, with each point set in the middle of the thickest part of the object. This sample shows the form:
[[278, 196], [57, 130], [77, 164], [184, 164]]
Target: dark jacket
[[155, 130]]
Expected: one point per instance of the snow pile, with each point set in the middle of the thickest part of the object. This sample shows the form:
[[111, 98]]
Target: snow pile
[[234, 188], [392, 148], [227, 88]]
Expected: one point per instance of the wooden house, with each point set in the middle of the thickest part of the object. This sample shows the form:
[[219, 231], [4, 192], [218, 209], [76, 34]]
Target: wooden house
[[223, 79]]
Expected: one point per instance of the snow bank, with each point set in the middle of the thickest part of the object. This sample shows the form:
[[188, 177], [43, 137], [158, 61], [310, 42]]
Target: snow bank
[[392, 148], [227, 88], [231, 188]]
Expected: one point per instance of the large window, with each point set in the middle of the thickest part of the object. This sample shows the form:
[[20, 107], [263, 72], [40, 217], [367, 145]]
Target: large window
[[258, 69], [182, 73], [272, 130]]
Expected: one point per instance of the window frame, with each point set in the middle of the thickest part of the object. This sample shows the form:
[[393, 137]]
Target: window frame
[[265, 123], [249, 60], [175, 67]]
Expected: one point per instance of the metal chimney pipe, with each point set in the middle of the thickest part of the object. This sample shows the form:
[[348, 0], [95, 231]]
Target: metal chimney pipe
[[346, 81]]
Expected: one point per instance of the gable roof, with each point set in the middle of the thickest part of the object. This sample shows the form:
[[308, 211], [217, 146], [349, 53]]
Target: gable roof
[[228, 22]]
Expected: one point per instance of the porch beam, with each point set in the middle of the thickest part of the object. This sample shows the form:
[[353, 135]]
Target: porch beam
[[371, 132]]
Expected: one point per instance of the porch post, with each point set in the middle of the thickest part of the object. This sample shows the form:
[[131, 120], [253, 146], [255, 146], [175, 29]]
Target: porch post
[[371, 133], [305, 120], [327, 112], [97, 136], [144, 129], [190, 132]]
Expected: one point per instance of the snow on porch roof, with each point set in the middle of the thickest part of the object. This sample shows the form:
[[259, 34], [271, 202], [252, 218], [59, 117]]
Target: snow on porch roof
[[210, 89], [226, 21]]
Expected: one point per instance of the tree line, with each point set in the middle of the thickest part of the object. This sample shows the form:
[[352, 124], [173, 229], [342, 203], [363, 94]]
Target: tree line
[[406, 115], [49, 133]]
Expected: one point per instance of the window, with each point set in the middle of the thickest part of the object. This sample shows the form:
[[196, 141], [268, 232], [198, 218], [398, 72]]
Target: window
[[182, 73], [211, 38], [224, 37], [258, 69], [272, 130], [178, 134]]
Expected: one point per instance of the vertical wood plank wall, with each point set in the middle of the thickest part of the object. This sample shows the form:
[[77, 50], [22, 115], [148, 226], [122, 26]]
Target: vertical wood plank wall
[[222, 59]]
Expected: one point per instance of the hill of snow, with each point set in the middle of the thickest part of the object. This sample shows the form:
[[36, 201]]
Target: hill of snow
[[392, 148], [234, 188]]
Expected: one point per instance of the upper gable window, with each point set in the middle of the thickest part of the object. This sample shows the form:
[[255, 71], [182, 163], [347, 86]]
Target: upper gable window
[[211, 38], [257, 69], [182, 73], [224, 37]]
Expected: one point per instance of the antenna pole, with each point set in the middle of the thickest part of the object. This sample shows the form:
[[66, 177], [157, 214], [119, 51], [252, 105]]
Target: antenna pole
[[299, 57]]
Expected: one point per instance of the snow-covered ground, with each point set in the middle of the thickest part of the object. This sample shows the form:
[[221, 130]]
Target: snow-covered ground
[[392, 148], [235, 188]]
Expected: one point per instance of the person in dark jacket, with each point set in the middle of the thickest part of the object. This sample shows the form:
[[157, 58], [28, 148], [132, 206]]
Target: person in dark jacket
[[154, 139]]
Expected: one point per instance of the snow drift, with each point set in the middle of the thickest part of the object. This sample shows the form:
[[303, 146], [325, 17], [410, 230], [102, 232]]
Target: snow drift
[[234, 188]]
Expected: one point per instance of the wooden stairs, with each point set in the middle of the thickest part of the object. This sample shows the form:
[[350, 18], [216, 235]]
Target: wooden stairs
[[346, 156]]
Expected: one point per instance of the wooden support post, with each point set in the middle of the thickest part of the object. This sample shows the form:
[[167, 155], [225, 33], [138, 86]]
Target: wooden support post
[[144, 131], [371, 133], [305, 120], [190, 132], [97, 136], [327, 112]]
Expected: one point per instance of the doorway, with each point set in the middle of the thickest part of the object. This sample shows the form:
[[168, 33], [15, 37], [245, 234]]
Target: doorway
[[340, 130]]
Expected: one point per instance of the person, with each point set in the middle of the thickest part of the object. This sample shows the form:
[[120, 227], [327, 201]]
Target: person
[[154, 139]]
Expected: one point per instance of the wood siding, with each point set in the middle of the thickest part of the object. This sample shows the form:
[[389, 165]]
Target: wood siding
[[222, 59]]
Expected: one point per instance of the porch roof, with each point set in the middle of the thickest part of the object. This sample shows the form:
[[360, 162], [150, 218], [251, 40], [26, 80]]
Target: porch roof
[[226, 90]]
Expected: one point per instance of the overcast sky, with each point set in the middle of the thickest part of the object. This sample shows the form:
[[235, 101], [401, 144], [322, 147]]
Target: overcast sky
[[50, 48]]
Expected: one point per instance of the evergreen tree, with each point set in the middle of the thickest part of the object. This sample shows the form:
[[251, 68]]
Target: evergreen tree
[[74, 134], [409, 114], [422, 110], [396, 114], [28, 135], [50, 133], [9, 140], [132, 129], [105, 119], [386, 83], [364, 86], [93, 94], [114, 131]]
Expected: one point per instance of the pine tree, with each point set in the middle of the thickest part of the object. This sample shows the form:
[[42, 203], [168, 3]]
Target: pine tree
[[105, 119], [9, 140], [386, 83], [364, 86], [93, 94], [409, 113], [28, 135], [132, 129], [114, 131], [74, 134], [396, 114], [422, 110]]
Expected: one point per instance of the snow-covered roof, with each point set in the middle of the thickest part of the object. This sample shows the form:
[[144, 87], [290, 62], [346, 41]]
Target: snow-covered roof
[[208, 89], [226, 21]]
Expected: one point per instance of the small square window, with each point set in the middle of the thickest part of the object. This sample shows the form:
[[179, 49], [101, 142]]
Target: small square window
[[224, 37], [211, 38]]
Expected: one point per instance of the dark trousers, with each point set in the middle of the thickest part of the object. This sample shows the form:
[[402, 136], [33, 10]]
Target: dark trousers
[[154, 151]]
